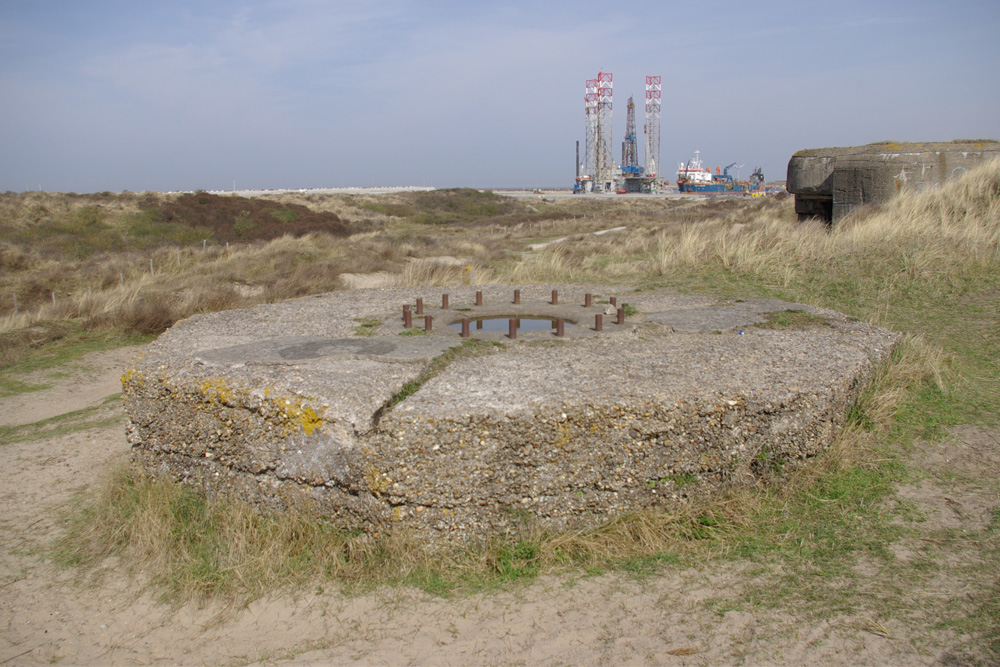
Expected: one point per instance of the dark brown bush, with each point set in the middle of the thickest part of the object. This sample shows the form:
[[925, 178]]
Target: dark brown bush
[[149, 314], [232, 218], [13, 258], [219, 297]]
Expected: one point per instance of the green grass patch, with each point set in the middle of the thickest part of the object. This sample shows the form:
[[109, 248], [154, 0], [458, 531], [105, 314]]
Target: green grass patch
[[366, 327], [197, 547], [388, 209], [52, 345], [285, 215], [467, 348], [792, 319], [518, 561], [70, 422], [647, 566], [12, 386]]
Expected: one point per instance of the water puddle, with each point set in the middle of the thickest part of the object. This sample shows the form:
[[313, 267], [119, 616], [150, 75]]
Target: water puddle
[[501, 324]]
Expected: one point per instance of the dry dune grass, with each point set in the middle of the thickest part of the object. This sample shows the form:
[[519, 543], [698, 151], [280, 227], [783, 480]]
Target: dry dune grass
[[939, 235], [942, 236], [199, 277], [231, 548], [941, 228]]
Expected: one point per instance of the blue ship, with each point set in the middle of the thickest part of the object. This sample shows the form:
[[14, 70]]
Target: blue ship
[[693, 177]]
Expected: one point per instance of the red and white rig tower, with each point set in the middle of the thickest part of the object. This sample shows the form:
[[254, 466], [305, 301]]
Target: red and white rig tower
[[653, 91], [599, 164], [599, 171]]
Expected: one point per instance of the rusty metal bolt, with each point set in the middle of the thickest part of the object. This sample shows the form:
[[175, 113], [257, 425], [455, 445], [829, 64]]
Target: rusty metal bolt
[[560, 327], [598, 322], [517, 296], [444, 302], [621, 316], [465, 327], [407, 317], [420, 306], [586, 300], [428, 323], [479, 298], [613, 300], [512, 329], [555, 297]]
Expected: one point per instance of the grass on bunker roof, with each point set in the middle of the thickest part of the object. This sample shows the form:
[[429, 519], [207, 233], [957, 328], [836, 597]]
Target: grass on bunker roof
[[926, 265]]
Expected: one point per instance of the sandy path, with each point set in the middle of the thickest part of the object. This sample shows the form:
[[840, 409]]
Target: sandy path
[[676, 617], [87, 383]]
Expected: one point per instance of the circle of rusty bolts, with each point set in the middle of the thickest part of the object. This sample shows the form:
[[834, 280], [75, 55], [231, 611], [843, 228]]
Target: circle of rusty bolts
[[514, 323]]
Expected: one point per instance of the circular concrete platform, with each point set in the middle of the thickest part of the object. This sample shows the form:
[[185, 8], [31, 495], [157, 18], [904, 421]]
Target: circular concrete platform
[[332, 401]]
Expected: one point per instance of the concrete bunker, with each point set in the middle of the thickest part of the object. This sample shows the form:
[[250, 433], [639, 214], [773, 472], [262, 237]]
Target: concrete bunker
[[828, 183], [331, 401]]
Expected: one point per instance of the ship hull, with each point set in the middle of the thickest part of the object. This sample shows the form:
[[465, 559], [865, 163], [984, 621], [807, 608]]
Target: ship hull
[[706, 188]]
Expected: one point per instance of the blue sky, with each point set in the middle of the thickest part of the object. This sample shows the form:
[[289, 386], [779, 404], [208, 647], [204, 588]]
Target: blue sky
[[138, 95]]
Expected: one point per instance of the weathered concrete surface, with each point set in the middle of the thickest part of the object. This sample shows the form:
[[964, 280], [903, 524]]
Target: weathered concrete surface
[[283, 403], [830, 182]]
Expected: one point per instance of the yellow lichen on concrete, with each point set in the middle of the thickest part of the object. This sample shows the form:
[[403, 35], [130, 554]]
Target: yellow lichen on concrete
[[217, 390], [293, 414], [298, 416], [565, 435], [376, 481], [131, 376]]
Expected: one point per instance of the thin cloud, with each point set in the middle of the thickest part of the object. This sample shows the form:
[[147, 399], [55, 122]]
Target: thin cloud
[[311, 92]]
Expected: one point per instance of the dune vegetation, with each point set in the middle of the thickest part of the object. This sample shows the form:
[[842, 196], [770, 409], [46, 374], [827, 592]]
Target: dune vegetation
[[87, 267], [105, 270]]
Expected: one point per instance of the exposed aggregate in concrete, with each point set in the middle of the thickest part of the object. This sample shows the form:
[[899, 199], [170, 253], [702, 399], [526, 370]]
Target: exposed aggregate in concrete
[[285, 403]]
